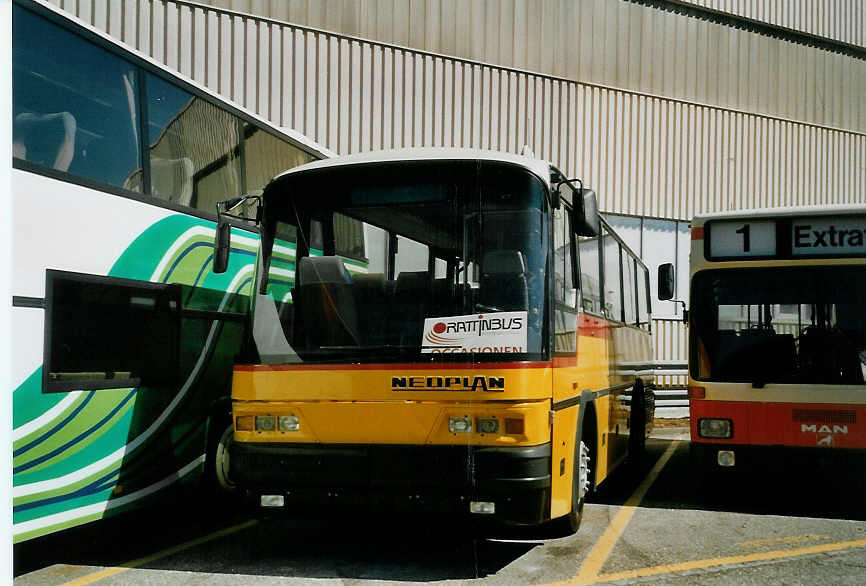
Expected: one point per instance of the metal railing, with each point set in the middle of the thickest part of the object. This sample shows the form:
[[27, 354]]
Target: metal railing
[[672, 399]]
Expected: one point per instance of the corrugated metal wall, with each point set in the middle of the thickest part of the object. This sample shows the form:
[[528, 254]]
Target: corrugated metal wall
[[645, 155], [839, 20], [615, 43]]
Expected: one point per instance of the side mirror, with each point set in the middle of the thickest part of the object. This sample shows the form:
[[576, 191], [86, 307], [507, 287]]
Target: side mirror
[[222, 242], [222, 246], [666, 282], [585, 220]]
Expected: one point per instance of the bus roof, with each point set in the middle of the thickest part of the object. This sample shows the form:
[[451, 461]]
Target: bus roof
[[814, 210], [536, 166]]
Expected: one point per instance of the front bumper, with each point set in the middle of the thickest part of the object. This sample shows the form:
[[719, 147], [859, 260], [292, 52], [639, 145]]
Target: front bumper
[[437, 478], [748, 457]]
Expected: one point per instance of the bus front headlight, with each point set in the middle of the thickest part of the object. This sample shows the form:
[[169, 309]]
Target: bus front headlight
[[460, 425], [715, 428], [288, 423]]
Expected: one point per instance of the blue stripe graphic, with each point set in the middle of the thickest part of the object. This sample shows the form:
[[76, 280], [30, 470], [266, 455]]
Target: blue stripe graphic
[[54, 429]]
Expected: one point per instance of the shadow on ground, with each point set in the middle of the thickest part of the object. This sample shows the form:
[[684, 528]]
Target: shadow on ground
[[784, 486], [358, 546]]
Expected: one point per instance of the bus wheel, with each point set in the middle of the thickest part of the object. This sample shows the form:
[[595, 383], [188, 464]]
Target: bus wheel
[[221, 461], [218, 483]]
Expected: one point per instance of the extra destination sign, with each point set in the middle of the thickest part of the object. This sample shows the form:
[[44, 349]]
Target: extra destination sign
[[828, 236], [819, 236]]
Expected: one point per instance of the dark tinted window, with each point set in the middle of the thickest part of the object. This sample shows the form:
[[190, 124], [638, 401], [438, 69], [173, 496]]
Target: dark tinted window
[[75, 106], [194, 148], [779, 325], [264, 157], [97, 325]]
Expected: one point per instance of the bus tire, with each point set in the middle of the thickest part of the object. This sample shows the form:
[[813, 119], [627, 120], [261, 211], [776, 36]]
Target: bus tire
[[221, 461], [219, 482]]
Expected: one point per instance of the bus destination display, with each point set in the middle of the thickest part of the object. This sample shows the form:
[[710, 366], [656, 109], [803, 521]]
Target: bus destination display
[[821, 236], [828, 236]]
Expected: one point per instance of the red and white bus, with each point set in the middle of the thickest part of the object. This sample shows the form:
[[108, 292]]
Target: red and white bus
[[777, 334]]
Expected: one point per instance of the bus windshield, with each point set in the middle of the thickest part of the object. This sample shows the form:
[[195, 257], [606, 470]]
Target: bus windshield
[[779, 325], [428, 260]]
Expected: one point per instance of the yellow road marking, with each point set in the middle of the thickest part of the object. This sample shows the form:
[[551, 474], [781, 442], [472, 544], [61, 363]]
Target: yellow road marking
[[784, 540], [596, 558], [728, 561], [91, 578]]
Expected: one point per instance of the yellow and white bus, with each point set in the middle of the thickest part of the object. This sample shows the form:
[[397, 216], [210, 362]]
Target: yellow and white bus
[[434, 344], [777, 334]]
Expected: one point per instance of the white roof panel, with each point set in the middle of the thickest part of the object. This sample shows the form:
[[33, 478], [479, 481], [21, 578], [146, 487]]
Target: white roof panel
[[537, 166], [815, 210]]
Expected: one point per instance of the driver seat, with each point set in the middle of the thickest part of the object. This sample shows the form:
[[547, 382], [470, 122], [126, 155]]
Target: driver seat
[[503, 283]]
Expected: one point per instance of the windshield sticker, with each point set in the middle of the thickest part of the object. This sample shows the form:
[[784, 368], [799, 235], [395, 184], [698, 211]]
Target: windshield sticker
[[500, 333]]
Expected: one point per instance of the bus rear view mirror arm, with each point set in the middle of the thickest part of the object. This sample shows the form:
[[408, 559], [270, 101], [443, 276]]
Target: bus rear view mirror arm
[[222, 242]]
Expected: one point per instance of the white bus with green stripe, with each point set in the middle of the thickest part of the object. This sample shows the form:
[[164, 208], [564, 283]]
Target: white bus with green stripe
[[124, 338]]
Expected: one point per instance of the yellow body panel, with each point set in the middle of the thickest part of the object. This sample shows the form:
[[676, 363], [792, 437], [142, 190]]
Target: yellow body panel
[[565, 422], [359, 383], [602, 413], [396, 422], [591, 372]]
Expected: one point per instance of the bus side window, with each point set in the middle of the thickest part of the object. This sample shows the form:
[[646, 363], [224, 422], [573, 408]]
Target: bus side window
[[349, 237], [281, 272], [411, 256], [590, 274], [263, 157], [75, 107], [54, 134], [629, 288], [643, 300], [613, 307], [565, 294], [193, 147]]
